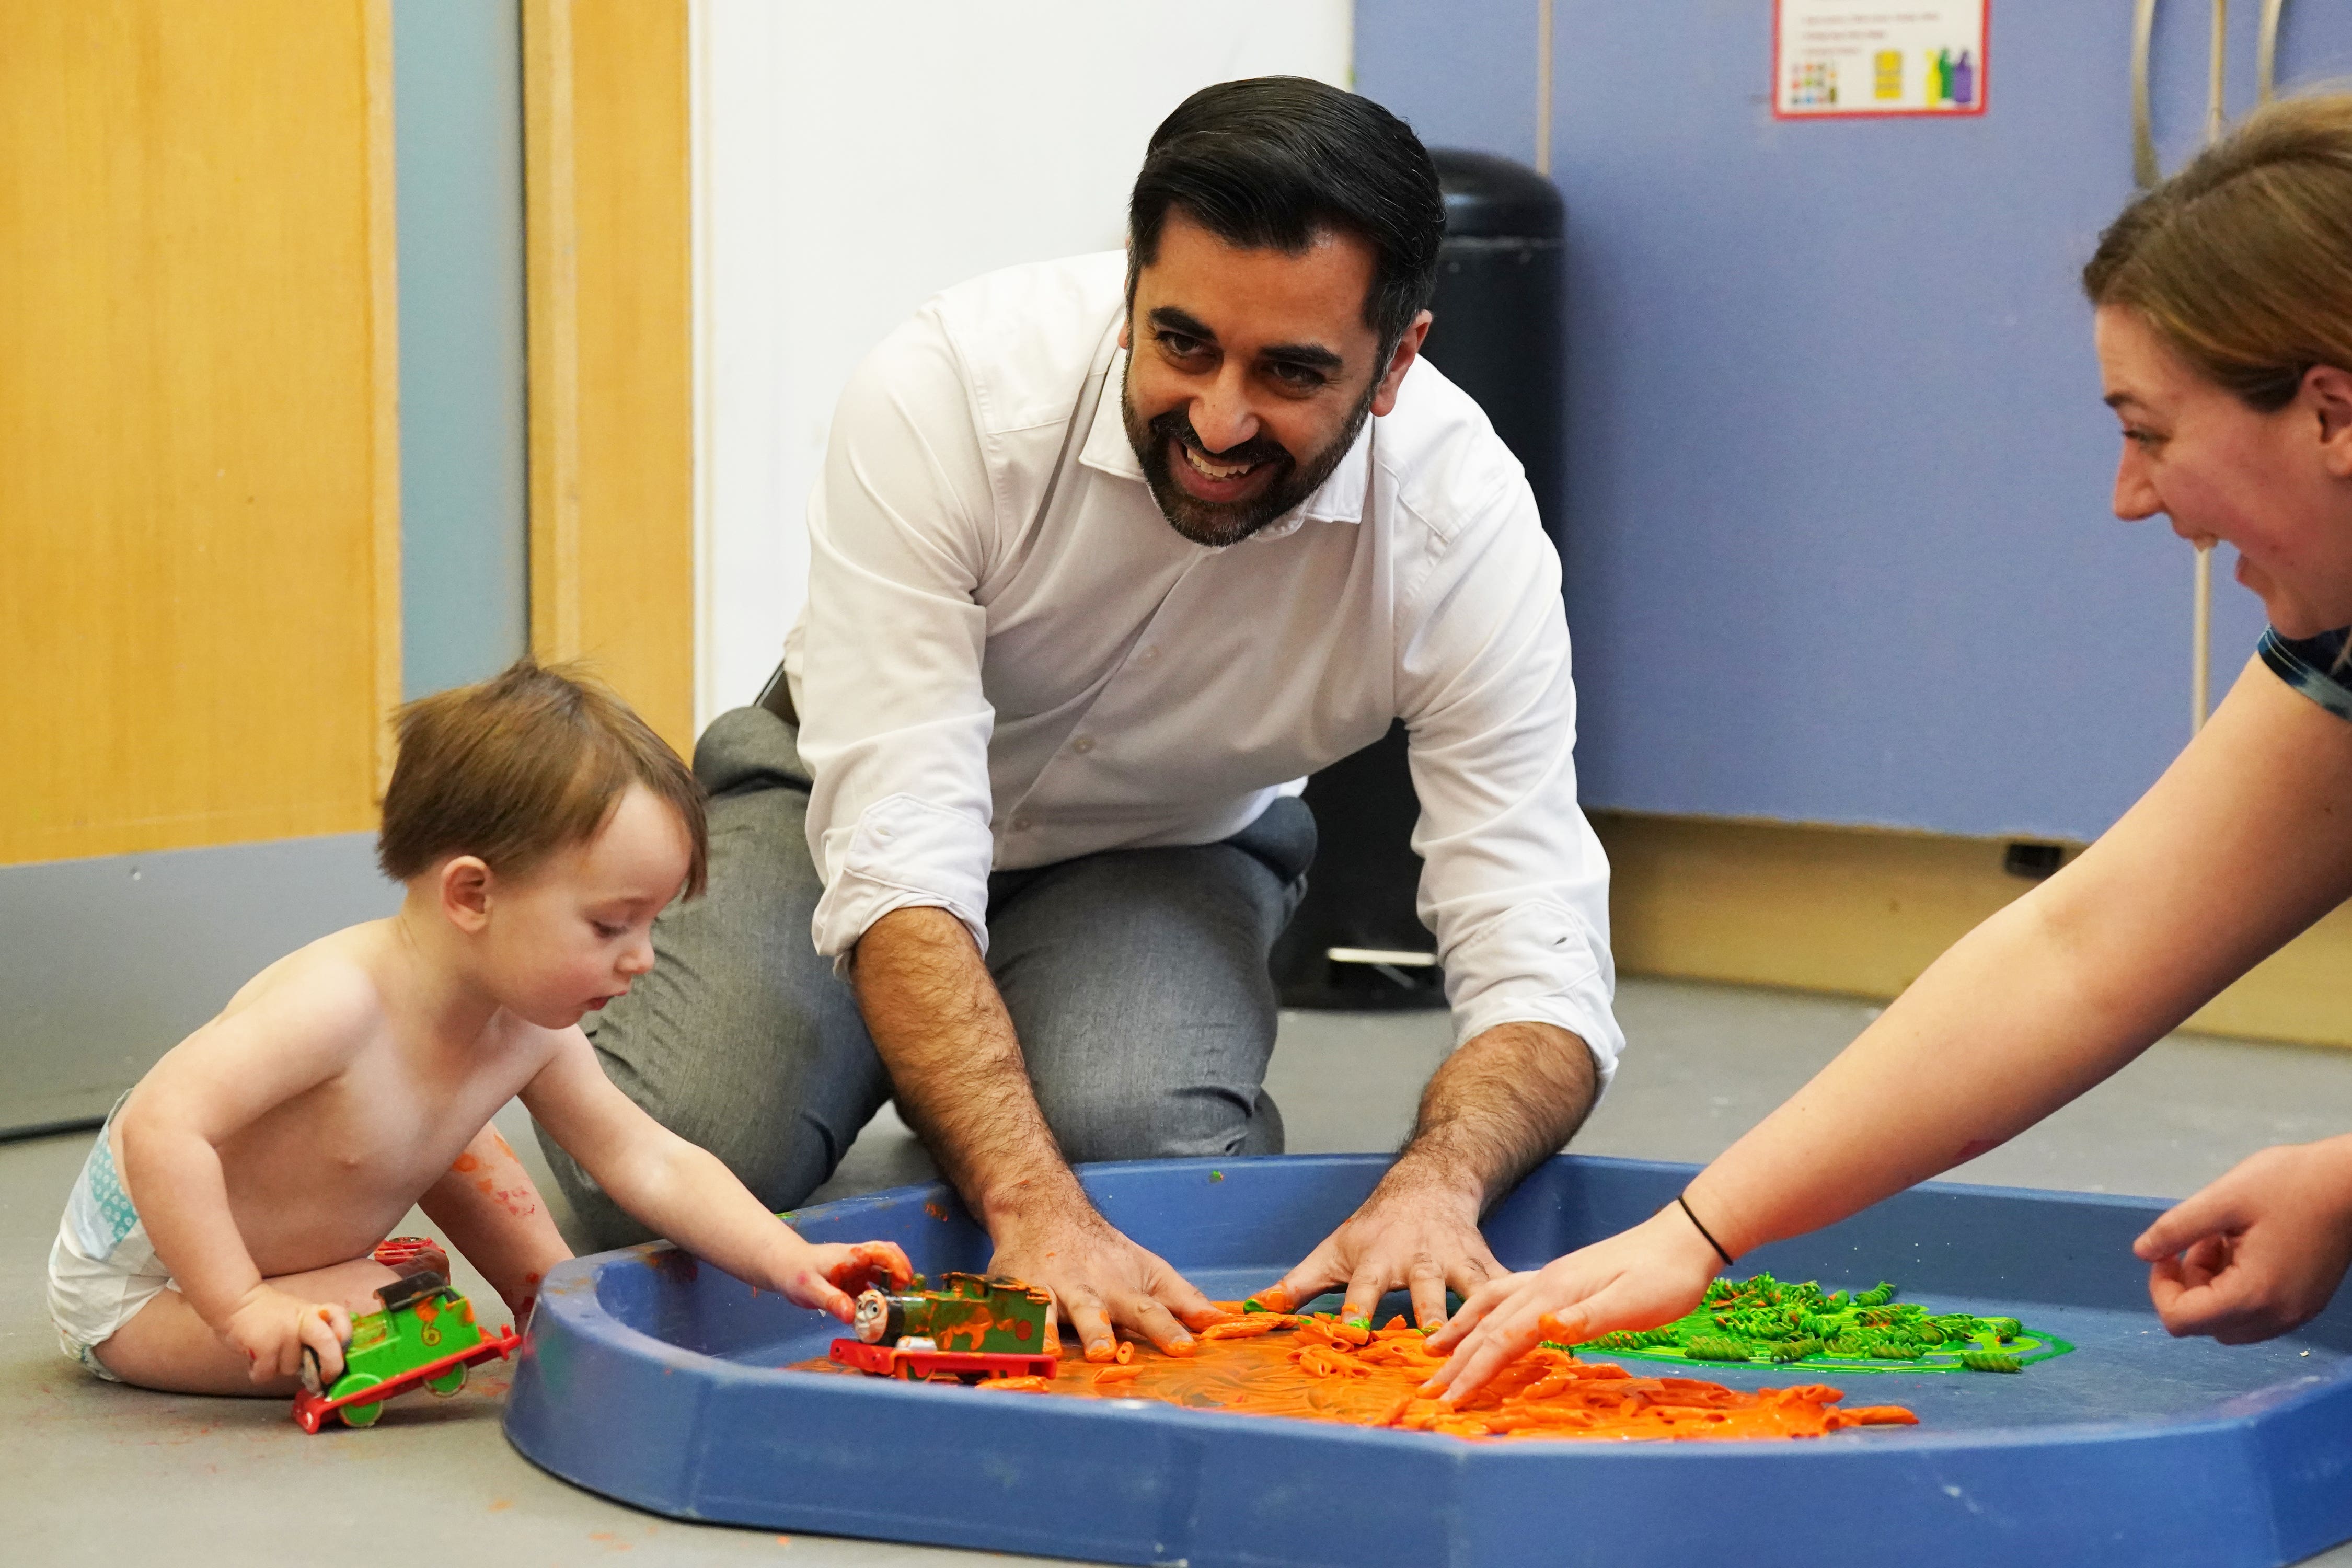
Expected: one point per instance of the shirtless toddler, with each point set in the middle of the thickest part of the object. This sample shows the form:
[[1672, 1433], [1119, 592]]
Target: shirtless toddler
[[225, 1218]]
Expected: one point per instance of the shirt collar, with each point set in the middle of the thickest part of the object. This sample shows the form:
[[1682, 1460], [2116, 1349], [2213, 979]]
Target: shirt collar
[[1338, 498]]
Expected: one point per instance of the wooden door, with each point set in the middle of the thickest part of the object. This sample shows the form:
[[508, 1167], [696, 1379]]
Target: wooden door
[[199, 500]]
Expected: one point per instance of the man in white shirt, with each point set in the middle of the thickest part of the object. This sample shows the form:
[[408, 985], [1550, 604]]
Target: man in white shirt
[[1109, 554]]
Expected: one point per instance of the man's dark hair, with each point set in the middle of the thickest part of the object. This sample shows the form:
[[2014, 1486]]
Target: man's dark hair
[[1267, 163]]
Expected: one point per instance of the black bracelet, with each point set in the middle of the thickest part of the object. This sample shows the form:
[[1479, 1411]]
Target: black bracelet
[[1728, 1260]]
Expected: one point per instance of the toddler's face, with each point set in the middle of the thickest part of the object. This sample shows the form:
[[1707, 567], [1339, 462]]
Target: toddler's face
[[578, 930]]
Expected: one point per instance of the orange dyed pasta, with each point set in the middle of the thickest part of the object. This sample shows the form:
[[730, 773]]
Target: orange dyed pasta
[[1314, 1369]]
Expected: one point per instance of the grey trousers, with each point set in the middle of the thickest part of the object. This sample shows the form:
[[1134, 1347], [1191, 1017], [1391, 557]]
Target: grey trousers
[[1136, 979]]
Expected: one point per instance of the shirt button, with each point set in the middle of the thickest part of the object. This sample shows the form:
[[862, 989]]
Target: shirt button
[[1020, 824], [1083, 744], [1146, 655]]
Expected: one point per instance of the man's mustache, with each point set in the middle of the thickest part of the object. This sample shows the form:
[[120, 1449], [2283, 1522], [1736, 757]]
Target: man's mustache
[[1176, 425]]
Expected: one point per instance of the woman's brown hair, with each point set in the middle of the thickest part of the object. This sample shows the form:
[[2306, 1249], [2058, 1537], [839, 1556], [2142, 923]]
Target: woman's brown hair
[[2242, 261], [526, 764]]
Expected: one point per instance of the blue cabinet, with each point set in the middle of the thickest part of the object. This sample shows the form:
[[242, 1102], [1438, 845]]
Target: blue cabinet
[[1840, 547]]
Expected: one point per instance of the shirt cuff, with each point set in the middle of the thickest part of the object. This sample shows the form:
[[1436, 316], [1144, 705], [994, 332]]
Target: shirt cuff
[[1537, 964], [904, 853]]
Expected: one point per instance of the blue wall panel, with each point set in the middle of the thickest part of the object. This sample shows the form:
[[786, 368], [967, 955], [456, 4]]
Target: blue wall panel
[[465, 548], [1842, 549], [1463, 72]]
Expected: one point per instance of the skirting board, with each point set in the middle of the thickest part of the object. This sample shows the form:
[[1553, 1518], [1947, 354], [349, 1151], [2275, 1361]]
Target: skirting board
[[1861, 911], [107, 963]]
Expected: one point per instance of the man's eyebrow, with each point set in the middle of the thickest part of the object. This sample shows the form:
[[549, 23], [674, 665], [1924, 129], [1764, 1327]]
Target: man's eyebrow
[[2116, 400], [1177, 320], [1310, 356]]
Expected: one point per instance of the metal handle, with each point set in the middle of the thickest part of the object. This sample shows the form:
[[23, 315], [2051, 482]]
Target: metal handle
[[2144, 167], [2266, 52]]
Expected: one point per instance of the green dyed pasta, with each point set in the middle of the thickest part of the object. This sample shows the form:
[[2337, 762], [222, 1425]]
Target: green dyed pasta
[[1991, 1360], [1715, 1347]]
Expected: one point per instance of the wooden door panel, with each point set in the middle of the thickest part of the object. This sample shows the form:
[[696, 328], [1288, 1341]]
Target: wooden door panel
[[199, 517]]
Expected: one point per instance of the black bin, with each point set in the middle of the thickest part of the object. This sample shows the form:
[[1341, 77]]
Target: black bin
[[1501, 334]]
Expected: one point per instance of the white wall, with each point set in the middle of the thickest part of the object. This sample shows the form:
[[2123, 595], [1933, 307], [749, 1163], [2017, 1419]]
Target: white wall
[[853, 159]]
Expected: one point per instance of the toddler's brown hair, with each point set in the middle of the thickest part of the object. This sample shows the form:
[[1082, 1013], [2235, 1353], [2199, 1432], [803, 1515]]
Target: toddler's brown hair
[[528, 763]]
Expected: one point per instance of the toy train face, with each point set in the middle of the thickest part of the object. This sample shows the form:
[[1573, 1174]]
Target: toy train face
[[983, 1314]]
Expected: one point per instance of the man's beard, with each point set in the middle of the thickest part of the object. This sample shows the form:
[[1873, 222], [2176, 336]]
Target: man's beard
[[1230, 522]]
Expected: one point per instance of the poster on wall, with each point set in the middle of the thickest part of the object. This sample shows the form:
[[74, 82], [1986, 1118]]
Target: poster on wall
[[1845, 58]]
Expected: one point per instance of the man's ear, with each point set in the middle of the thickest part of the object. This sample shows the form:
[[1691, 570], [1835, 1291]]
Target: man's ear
[[1408, 349], [464, 886], [2328, 392]]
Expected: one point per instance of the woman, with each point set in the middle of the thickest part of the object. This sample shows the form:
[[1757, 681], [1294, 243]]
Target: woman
[[2224, 325]]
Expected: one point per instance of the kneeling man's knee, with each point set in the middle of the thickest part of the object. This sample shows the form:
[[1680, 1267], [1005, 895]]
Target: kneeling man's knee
[[1118, 1122]]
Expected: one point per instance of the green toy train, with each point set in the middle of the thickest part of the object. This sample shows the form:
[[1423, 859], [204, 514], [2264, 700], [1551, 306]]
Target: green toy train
[[972, 1325], [426, 1336]]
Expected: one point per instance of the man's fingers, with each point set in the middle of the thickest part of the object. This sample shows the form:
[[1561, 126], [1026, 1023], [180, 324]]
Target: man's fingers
[[1186, 1300], [1315, 1273], [1467, 1276], [1091, 1324], [1426, 1282], [1157, 1323], [1476, 1305], [1372, 1280]]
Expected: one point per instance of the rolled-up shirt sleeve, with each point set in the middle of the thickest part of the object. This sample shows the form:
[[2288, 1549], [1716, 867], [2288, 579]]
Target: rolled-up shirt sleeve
[[1514, 882], [896, 727]]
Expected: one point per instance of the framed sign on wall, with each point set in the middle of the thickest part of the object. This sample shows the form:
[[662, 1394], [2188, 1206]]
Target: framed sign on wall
[[1849, 58]]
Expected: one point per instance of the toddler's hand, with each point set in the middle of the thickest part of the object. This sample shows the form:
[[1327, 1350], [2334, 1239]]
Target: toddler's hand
[[272, 1329], [826, 1276], [2259, 1251]]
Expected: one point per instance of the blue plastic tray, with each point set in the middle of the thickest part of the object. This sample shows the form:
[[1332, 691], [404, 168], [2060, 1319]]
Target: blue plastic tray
[[656, 1382]]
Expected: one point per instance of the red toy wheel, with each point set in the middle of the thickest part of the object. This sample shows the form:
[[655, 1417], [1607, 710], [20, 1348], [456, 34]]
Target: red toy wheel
[[306, 1412]]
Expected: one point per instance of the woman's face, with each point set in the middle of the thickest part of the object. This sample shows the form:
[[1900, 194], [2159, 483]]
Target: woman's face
[[2277, 487]]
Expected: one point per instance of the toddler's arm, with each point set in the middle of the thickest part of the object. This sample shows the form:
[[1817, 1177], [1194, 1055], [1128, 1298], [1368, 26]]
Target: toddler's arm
[[294, 1037], [683, 1192], [490, 1210]]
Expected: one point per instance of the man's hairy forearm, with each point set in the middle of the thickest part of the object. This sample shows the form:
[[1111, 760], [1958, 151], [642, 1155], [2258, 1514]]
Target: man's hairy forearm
[[1497, 1108], [956, 1066]]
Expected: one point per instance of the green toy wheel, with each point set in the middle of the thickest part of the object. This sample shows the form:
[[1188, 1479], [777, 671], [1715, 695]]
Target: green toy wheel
[[449, 1382], [358, 1415]]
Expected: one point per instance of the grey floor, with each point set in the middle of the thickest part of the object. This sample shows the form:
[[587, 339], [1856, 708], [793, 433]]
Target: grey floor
[[95, 1473]]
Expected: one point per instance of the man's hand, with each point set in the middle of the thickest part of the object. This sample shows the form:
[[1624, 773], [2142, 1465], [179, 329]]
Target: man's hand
[[1639, 1279], [273, 1328], [1102, 1281], [1499, 1105], [1414, 1233], [2258, 1252]]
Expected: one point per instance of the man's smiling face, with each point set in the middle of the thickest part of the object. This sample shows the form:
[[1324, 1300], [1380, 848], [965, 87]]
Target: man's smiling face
[[1249, 373]]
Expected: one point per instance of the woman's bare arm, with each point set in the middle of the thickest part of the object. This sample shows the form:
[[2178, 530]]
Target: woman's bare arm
[[2245, 840]]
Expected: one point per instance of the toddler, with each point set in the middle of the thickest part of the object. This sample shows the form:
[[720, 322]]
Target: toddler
[[224, 1219]]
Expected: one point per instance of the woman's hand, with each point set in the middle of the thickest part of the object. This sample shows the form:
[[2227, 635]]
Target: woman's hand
[[828, 1276], [1649, 1275], [2258, 1252], [273, 1328]]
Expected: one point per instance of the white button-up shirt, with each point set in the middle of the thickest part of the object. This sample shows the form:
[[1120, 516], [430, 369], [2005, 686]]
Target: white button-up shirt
[[1009, 657]]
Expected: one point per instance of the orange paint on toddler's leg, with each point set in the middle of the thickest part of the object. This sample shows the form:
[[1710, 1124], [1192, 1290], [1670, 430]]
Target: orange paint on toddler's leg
[[470, 1162]]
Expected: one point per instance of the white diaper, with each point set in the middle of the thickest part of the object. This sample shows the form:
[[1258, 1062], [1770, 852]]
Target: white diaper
[[102, 1269]]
